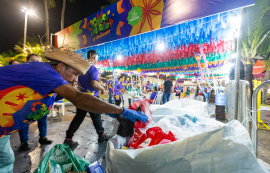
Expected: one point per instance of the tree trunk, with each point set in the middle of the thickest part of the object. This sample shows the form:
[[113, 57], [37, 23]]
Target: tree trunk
[[264, 93], [249, 77], [47, 23], [63, 14]]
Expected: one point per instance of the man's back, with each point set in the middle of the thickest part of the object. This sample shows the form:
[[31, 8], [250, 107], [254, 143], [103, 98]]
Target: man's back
[[167, 86], [25, 94]]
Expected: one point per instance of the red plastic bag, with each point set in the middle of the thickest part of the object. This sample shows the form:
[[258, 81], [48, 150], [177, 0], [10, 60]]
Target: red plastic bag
[[153, 135], [157, 135], [169, 136], [137, 139], [144, 106]]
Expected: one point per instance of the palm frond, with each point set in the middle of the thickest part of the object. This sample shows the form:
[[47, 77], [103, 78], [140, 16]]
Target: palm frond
[[51, 4]]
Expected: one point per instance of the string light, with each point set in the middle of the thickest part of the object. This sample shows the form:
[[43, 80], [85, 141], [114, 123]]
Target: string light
[[181, 76], [161, 46], [119, 57]]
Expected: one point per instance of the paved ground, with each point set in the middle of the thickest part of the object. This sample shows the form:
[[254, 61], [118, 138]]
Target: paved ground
[[264, 139], [86, 136]]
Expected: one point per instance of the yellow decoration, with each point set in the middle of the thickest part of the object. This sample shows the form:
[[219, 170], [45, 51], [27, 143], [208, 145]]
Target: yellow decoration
[[151, 18], [197, 58], [138, 70], [91, 93], [167, 75]]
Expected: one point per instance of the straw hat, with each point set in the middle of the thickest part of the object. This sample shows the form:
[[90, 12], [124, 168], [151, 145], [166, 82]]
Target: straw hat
[[69, 58]]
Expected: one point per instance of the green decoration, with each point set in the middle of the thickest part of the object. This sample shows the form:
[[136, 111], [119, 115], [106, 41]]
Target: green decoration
[[175, 63], [134, 15]]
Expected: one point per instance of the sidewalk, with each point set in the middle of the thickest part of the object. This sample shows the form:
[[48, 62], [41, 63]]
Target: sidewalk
[[89, 148]]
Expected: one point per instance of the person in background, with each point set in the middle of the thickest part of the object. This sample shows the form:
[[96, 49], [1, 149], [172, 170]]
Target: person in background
[[33, 57], [29, 92], [197, 93], [208, 93], [148, 87], [127, 84], [118, 90], [89, 84], [133, 82], [177, 90], [188, 90], [110, 89], [42, 123], [138, 89], [153, 95], [13, 62], [122, 80], [167, 91]]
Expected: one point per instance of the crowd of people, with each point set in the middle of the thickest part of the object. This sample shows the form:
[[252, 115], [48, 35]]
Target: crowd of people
[[28, 91]]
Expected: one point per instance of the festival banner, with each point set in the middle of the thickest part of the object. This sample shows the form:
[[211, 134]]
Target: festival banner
[[132, 17]]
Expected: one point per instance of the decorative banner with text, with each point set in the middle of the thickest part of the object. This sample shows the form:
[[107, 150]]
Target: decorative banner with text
[[132, 17]]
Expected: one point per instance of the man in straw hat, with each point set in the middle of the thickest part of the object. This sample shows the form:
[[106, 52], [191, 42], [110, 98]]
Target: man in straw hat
[[28, 91]]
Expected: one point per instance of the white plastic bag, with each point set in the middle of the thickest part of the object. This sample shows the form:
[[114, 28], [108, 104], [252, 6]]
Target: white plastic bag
[[224, 148], [181, 107]]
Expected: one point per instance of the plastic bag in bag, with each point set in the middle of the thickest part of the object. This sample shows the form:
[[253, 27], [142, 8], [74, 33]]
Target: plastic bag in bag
[[61, 155], [142, 106]]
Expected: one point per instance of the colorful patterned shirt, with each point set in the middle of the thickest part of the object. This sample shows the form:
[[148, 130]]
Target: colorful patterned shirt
[[26, 94], [148, 87]]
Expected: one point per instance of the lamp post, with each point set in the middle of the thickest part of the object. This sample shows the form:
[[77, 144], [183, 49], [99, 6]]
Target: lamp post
[[26, 12]]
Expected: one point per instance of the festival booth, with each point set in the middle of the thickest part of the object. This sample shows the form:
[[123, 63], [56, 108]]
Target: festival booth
[[194, 39]]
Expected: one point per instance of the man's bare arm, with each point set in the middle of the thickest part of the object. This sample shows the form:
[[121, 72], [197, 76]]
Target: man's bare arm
[[96, 85], [85, 101]]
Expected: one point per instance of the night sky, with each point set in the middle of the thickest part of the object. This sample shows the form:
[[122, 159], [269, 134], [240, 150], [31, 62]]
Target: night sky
[[12, 18]]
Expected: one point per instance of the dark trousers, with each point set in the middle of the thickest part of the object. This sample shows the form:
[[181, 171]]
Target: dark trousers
[[111, 97], [78, 119], [166, 97], [42, 127], [117, 102]]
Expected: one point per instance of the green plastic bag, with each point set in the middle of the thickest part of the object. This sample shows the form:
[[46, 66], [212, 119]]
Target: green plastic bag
[[59, 160]]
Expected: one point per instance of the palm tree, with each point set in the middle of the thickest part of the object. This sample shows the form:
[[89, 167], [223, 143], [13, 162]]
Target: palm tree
[[110, 3], [6, 57], [255, 35], [63, 13], [48, 4], [35, 48]]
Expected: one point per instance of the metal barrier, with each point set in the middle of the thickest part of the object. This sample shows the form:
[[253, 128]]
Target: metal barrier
[[254, 115], [244, 103]]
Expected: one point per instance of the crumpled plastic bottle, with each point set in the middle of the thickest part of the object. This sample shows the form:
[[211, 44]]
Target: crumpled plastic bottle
[[191, 118]]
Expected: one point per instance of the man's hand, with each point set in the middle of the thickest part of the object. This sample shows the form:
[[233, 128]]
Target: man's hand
[[134, 115], [102, 91]]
